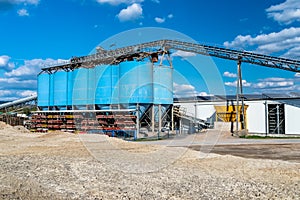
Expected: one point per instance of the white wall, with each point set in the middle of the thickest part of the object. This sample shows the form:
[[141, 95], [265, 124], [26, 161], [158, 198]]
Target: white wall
[[204, 110], [292, 123], [256, 122]]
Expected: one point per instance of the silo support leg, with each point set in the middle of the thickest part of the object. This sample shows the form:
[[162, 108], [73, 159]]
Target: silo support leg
[[152, 119], [172, 123], [159, 118]]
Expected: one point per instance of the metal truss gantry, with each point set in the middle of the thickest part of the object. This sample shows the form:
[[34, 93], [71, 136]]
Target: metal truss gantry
[[159, 47]]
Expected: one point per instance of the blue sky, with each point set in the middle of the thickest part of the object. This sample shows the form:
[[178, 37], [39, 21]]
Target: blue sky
[[36, 33]]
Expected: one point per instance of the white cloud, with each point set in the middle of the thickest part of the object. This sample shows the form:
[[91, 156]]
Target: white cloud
[[159, 20], [203, 94], [297, 75], [23, 12], [4, 60], [10, 95], [273, 82], [285, 43], [132, 12], [32, 2], [9, 4], [17, 83], [183, 54], [5, 93], [286, 12], [268, 84], [5, 64], [180, 89], [274, 79], [285, 40], [31, 67], [293, 52], [22, 81], [26, 2], [230, 75], [234, 83], [162, 20], [186, 90], [170, 16], [27, 93], [118, 2]]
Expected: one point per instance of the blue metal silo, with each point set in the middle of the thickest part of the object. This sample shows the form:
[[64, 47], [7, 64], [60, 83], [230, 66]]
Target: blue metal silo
[[51, 90], [91, 86], [69, 88], [103, 82], [80, 84], [60, 88], [43, 90], [107, 84], [115, 84], [135, 82], [163, 85]]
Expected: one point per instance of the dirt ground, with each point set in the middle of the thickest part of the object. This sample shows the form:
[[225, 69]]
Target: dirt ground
[[68, 166], [287, 152]]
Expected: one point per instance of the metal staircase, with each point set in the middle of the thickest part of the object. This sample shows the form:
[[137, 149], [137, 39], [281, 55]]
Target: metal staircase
[[181, 113]]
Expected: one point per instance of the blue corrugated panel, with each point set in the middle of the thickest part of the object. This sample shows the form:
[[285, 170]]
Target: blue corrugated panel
[[69, 88], [60, 88], [115, 84], [91, 86], [163, 85], [103, 82], [43, 90], [136, 82], [51, 90], [80, 85]]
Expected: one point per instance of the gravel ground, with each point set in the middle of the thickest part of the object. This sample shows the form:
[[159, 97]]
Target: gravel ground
[[67, 166]]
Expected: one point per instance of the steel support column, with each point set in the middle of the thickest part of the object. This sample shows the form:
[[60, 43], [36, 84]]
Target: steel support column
[[237, 96], [240, 115]]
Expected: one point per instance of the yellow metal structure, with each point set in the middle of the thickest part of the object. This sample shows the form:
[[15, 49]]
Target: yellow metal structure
[[228, 113]]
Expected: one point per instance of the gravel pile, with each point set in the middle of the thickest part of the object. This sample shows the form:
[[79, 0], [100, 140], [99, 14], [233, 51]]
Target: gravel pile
[[68, 166]]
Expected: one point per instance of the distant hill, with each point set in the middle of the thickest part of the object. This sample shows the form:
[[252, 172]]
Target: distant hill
[[1, 102]]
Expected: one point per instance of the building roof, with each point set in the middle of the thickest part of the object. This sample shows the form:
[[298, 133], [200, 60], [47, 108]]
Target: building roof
[[293, 99]]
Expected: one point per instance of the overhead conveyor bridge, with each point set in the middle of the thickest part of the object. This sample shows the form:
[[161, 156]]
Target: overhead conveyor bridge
[[159, 47], [19, 102]]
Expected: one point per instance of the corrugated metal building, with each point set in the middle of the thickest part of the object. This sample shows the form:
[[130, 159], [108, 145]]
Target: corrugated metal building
[[264, 114]]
